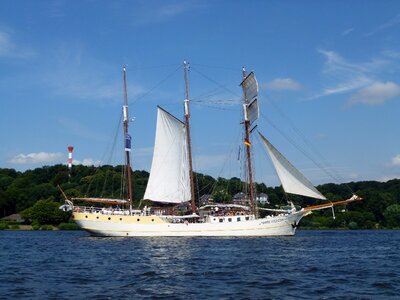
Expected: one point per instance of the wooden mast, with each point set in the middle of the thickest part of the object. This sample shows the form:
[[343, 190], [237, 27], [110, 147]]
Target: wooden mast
[[247, 145], [127, 139], [189, 145]]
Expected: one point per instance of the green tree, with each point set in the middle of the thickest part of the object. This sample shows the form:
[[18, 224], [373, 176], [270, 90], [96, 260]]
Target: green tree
[[392, 216], [220, 195], [46, 212]]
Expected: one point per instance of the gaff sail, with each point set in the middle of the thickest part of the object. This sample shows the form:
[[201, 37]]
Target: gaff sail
[[169, 180], [292, 180]]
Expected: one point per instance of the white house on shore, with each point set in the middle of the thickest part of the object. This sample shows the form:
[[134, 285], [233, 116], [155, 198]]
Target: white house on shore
[[262, 198]]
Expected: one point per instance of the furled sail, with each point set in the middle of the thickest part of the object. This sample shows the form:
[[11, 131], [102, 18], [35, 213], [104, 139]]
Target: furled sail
[[292, 180], [169, 174]]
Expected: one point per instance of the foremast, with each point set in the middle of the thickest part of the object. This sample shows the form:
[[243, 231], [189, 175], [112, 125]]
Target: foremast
[[247, 143], [189, 144], [127, 139]]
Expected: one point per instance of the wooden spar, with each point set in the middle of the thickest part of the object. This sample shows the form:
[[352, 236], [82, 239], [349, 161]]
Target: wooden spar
[[62, 192], [101, 200], [127, 152], [248, 152], [189, 144], [328, 205]]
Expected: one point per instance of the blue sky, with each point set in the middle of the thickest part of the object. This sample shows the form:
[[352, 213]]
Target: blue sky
[[328, 73]]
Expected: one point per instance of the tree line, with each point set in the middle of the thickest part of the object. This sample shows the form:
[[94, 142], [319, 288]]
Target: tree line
[[21, 191]]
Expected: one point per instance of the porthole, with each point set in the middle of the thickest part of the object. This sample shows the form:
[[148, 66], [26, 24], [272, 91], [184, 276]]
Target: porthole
[[152, 220], [138, 220], [221, 220], [247, 218], [238, 219], [97, 217], [229, 219], [120, 219], [109, 218], [86, 217]]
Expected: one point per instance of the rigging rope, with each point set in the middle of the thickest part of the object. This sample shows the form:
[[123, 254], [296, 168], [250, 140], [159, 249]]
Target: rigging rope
[[217, 67], [150, 67], [215, 82], [157, 85], [334, 175], [298, 147], [213, 107]]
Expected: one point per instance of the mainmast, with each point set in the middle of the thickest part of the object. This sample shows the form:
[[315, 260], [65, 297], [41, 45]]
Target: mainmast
[[189, 145], [248, 143], [127, 139]]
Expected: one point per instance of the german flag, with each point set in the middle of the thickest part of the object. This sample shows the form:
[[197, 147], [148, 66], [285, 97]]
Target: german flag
[[247, 143]]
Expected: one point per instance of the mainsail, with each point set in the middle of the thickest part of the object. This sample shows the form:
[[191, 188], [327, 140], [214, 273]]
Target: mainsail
[[292, 180], [169, 180]]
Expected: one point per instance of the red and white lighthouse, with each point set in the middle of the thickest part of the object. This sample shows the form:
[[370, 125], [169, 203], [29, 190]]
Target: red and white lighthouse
[[70, 149]]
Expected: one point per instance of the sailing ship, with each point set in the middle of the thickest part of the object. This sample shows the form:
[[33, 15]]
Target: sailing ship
[[171, 183]]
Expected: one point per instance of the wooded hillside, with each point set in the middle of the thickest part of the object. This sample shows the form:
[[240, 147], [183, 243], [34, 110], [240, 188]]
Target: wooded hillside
[[21, 190]]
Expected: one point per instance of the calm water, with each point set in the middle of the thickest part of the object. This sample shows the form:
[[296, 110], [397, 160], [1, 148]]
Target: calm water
[[313, 264]]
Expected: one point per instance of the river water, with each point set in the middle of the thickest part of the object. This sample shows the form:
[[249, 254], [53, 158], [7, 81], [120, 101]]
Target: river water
[[310, 265]]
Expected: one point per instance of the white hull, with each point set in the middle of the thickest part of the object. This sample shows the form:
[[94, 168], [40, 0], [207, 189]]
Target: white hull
[[151, 226]]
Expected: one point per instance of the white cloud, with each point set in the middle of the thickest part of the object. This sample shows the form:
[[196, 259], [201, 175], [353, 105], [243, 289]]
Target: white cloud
[[284, 84], [392, 22], [6, 45], [87, 162], [376, 93], [388, 177], [8, 48], [71, 72], [338, 66], [354, 176], [347, 31], [392, 54], [346, 76], [396, 161], [346, 87], [34, 158], [392, 169]]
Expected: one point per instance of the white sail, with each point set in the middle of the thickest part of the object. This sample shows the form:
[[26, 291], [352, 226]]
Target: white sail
[[169, 174], [292, 180], [250, 89], [250, 86], [252, 111]]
